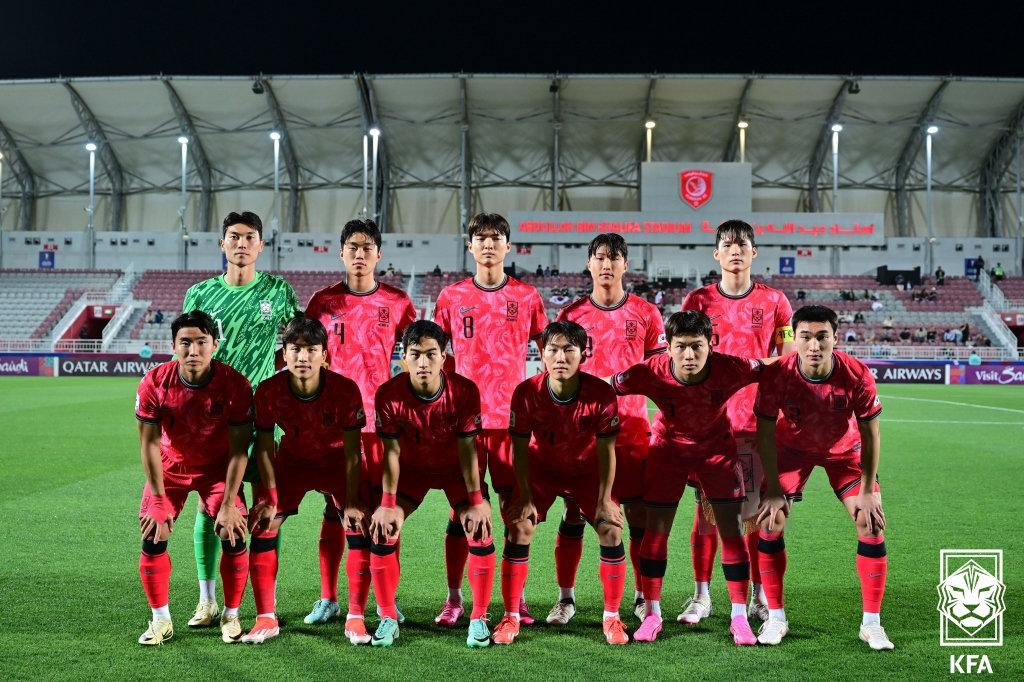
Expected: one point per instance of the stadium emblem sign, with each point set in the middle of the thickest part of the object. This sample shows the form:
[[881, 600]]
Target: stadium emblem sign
[[971, 597], [695, 187]]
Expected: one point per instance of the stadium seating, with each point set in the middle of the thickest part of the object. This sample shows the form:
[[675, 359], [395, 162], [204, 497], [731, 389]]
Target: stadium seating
[[32, 301]]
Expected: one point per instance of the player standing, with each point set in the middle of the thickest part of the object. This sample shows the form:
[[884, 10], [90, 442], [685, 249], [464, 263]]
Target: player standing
[[692, 437], [750, 320], [622, 330], [480, 315], [572, 418], [429, 420], [195, 423], [819, 407], [320, 413], [364, 319]]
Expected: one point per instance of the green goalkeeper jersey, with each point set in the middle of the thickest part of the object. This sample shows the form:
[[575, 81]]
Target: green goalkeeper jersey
[[248, 318]]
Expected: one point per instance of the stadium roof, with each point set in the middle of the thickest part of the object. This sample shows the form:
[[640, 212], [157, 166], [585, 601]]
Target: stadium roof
[[505, 127]]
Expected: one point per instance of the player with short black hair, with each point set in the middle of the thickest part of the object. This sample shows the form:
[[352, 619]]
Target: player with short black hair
[[750, 320], [248, 308], [622, 330], [819, 407], [563, 424], [488, 311], [195, 422], [428, 420], [692, 437], [364, 318]]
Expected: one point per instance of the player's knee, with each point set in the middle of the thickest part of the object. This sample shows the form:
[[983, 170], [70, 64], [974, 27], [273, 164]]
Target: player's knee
[[481, 547], [571, 530], [154, 548], [660, 520], [727, 518], [520, 532], [455, 528], [571, 515], [636, 514], [609, 535], [236, 546]]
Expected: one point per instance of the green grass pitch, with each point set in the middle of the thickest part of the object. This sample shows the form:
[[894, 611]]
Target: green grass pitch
[[72, 606]]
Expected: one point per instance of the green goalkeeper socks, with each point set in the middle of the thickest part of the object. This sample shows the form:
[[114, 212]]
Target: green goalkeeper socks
[[207, 545]]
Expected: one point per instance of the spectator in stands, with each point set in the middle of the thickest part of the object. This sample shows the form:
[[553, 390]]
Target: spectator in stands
[[905, 335], [997, 272], [767, 274], [547, 271], [982, 340], [932, 296], [886, 349], [876, 350], [886, 336], [709, 278], [158, 317], [83, 333], [540, 270], [151, 317], [974, 359], [869, 335], [845, 317], [390, 271], [145, 352], [437, 269], [659, 297], [899, 282], [888, 323], [965, 331], [851, 336], [801, 295], [931, 335], [877, 305], [868, 296], [554, 271], [917, 296], [858, 317], [979, 265], [940, 276], [558, 297], [920, 335], [949, 336]]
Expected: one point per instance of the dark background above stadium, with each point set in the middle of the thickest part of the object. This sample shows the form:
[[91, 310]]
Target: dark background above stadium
[[50, 39]]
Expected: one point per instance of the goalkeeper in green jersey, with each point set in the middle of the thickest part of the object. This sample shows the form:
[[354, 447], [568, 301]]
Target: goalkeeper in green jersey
[[248, 308]]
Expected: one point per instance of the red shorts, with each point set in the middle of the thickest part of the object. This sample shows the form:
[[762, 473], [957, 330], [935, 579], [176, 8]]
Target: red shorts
[[180, 481], [629, 471], [715, 467], [843, 472], [372, 469], [413, 485], [494, 450], [296, 477], [580, 487]]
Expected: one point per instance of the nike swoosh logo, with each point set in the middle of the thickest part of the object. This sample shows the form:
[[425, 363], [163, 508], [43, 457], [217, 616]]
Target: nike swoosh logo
[[481, 639], [214, 312], [334, 317], [874, 575], [770, 570], [463, 311]]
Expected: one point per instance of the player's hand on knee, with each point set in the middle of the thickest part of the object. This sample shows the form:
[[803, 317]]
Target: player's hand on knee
[[384, 525], [772, 512], [230, 524], [261, 516], [867, 512], [476, 521], [608, 513], [355, 518]]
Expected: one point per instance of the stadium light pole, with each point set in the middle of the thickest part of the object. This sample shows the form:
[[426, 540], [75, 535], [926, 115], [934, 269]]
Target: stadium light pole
[[183, 141], [2, 209], [836, 129], [91, 148], [276, 137], [930, 130], [742, 125], [649, 125], [366, 172], [375, 134], [1020, 212]]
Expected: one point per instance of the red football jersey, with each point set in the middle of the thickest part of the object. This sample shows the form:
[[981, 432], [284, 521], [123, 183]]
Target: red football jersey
[[689, 413], [362, 329], [312, 427], [428, 430], [618, 337], [818, 417], [564, 433], [490, 329], [751, 325], [194, 418]]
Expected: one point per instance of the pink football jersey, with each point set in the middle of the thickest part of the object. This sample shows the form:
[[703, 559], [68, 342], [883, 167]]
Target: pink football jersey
[[689, 413], [428, 430], [312, 427], [194, 419], [751, 325], [490, 329], [362, 329], [564, 433], [818, 417], [618, 337]]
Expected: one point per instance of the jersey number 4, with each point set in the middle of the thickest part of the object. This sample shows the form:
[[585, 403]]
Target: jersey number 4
[[339, 331]]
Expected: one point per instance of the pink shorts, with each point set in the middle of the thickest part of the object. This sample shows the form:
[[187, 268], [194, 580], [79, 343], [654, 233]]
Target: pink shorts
[[716, 469], [179, 482], [630, 459], [843, 472], [494, 450]]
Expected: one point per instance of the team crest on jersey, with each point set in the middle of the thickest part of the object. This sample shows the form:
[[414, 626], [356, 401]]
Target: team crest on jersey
[[511, 419], [216, 409], [511, 310], [266, 310], [383, 317], [477, 419], [360, 414], [757, 318], [330, 419], [840, 402], [631, 329], [451, 420], [377, 420], [695, 187]]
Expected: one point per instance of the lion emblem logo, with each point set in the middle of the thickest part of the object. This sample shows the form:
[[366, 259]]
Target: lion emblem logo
[[971, 597]]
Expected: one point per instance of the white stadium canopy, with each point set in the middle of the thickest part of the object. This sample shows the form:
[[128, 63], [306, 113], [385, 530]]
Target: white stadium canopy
[[455, 144]]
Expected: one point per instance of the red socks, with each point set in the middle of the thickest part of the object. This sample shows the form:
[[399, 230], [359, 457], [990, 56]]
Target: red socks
[[872, 566], [357, 570], [613, 576], [234, 569], [752, 541], [331, 549], [456, 551], [653, 560], [736, 568], [515, 564], [636, 540], [384, 573], [481, 576], [155, 571], [702, 549], [568, 550], [772, 566], [263, 570]]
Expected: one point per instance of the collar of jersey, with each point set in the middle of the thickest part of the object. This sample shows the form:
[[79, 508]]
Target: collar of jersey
[[718, 286], [559, 401], [672, 370], [614, 306], [224, 282], [433, 398], [799, 366], [196, 386], [481, 287], [376, 285], [310, 398]]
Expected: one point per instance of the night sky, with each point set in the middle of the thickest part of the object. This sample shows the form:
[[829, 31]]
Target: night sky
[[46, 39]]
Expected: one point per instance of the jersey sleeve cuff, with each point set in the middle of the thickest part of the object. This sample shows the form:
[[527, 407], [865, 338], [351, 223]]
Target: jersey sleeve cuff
[[386, 434], [354, 427], [871, 417], [656, 351], [519, 434], [154, 421], [264, 429], [768, 417], [609, 434], [244, 422], [469, 434]]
